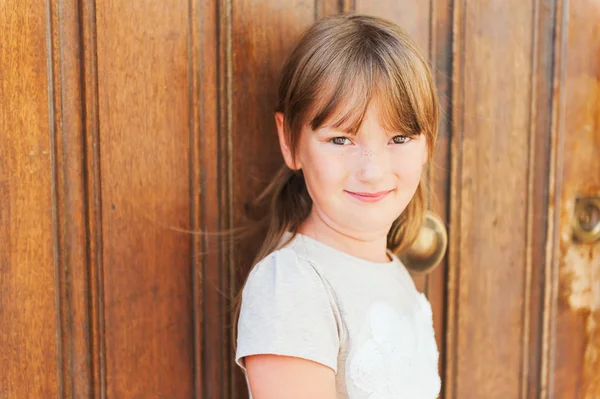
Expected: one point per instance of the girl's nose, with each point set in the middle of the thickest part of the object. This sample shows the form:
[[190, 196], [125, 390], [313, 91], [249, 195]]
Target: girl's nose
[[371, 165]]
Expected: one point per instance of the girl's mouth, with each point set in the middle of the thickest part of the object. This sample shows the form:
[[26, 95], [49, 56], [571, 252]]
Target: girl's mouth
[[369, 197]]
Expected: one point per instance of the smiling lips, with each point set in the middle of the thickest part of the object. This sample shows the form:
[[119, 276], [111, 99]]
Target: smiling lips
[[370, 197]]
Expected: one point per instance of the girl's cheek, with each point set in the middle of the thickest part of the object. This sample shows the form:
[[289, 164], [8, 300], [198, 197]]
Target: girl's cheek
[[327, 168], [409, 162]]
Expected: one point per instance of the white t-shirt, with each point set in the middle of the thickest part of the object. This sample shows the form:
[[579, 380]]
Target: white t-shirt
[[365, 320]]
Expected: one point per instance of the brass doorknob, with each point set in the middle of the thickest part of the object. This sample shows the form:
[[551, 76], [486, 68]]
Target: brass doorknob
[[426, 253], [586, 220]]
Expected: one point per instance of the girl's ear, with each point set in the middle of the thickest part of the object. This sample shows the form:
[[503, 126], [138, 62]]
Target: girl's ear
[[283, 143]]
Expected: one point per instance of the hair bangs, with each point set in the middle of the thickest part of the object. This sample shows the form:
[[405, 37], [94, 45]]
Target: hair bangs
[[344, 100], [398, 98]]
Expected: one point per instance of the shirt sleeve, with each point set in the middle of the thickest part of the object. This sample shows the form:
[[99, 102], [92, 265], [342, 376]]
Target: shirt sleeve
[[286, 310]]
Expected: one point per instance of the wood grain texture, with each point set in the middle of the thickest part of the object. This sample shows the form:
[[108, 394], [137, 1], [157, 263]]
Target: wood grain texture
[[71, 211], [439, 172], [555, 158], [326, 8], [454, 202], [29, 318], [211, 342], [540, 128], [493, 48], [213, 166], [576, 370], [412, 16], [143, 114], [91, 143]]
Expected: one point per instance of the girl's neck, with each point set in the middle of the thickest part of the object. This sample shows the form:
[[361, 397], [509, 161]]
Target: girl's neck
[[370, 246]]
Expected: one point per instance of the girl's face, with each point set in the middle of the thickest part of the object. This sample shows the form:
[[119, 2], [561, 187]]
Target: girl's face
[[359, 183]]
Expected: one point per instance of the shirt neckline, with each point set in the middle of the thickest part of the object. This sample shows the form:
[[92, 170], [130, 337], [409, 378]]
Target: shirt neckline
[[321, 247]]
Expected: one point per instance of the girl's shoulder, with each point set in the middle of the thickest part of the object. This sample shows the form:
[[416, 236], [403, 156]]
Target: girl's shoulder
[[286, 310], [284, 268], [285, 258]]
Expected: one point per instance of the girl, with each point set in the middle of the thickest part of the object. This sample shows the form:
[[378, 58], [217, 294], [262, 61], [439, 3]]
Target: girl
[[329, 311]]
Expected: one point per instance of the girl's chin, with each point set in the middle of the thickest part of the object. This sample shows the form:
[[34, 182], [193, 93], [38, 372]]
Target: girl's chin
[[367, 226]]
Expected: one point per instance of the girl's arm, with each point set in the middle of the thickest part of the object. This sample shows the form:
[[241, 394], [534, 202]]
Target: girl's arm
[[276, 377]]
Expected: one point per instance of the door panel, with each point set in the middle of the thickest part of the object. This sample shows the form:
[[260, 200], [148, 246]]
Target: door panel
[[144, 158], [490, 204], [573, 365], [28, 291], [127, 126]]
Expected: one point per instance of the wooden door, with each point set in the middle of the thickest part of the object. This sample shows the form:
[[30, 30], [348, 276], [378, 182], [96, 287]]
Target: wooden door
[[125, 124]]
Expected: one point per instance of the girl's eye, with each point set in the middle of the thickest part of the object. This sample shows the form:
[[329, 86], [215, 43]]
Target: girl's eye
[[339, 140], [401, 139]]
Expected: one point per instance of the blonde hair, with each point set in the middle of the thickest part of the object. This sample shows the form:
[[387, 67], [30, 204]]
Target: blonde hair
[[337, 68]]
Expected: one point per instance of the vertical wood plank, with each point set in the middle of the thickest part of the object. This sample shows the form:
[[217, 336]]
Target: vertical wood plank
[[71, 212], [30, 354], [213, 168], [204, 66], [544, 15], [439, 170], [143, 113], [326, 8], [551, 274], [91, 142], [455, 200], [494, 43], [576, 370]]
